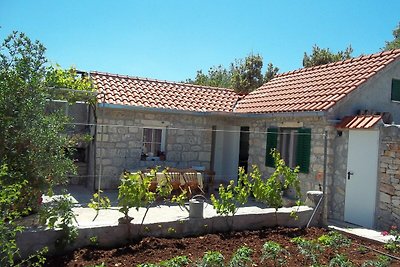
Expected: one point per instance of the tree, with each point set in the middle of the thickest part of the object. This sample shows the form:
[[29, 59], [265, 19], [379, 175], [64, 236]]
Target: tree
[[394, 44], [321, 56], [217, 76], [271, 72], [244, 75], [33, 143]]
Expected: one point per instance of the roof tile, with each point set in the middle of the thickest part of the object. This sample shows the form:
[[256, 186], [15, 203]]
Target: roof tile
[[126, 90], [317, 88]]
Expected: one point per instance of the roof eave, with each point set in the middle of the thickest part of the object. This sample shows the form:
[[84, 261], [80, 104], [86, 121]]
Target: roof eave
[[282, 114], [164, 110]]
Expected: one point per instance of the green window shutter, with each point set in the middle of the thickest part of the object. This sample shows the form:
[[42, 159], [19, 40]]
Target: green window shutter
[[272, 141], [395, 90], [303, 149]]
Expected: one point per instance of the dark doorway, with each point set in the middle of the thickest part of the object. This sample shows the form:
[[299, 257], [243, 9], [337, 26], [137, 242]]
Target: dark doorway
[[244, 147]]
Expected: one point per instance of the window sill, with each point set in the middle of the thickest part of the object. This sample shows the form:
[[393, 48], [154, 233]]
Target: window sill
[[152, 159]]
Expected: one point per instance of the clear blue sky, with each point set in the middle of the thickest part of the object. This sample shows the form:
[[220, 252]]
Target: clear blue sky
[[170, 40]]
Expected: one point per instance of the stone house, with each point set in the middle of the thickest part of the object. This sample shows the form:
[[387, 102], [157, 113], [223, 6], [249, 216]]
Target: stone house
[[335, 121]]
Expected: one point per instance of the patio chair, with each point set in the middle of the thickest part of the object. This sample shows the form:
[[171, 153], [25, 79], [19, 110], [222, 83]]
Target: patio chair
[[192, 184], [175, 177]]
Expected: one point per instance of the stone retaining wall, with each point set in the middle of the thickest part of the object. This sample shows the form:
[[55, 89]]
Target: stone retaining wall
[[388, 208]]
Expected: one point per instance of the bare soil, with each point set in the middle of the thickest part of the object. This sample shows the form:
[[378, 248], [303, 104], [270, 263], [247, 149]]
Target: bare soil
[[154, 250]]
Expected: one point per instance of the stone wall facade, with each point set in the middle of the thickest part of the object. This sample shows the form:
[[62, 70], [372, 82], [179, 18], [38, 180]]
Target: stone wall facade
[[309, 181], [388, 207], [337, 200], [120, 134], [189, 143]]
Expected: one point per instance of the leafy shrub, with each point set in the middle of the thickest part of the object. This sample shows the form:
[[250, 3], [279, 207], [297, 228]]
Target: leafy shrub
[[242, 257], [382, 261], [334, 239], [212, 259], [340, 260], [274, 251], [233, 195], [393, 244], [308, 248]]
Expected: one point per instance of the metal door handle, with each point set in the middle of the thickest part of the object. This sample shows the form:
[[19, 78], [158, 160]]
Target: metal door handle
[[349, 174]]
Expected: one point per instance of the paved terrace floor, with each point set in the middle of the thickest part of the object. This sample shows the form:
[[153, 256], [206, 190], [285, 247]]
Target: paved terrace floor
[[167, 213]]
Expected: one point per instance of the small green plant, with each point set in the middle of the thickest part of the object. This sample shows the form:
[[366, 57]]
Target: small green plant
[[134, 192], [233, 195], [59, 214], [98, 202], [340, 260], [147, 265], [94, 241], [242, 258], [393, 245], [309, 249], [274, 251], [382, 261], [178, 261], [362, 249], [334, 239], [171, 230], [212, 259]]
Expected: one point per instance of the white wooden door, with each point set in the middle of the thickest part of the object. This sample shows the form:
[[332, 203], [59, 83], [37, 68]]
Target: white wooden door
[[361, 177]]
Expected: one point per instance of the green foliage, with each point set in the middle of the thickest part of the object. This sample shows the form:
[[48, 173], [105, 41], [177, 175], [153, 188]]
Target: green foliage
[[242, 258], [271, 190], [58, 214], [393, 244], [233, 195], [32, 142], [244, 75], [134, 192], [395, 43], [321, 56], [178, 261], [309, 249], [98, 202], [335, 240], [94, 241], [274, 251], [212, 259], [217, 76], [382, 261], [271, 72], [340, 260], [9, 194]]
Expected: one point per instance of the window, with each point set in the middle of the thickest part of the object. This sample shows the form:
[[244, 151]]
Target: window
[[153, 142], [294, 145], [395, 90]]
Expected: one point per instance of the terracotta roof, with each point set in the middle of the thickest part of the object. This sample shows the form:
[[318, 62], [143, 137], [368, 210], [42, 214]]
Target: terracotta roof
[[317, 88], [359, 122], [140, 92]]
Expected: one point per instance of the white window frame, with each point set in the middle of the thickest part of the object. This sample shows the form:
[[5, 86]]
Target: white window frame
[[163, 138]]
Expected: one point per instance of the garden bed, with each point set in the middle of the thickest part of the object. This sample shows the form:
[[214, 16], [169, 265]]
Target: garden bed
[[156, 250]]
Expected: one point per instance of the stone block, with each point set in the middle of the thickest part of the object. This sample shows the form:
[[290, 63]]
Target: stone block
[[204, 156], [133, 129], [385, 198], [387, 188], [187, 156]]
